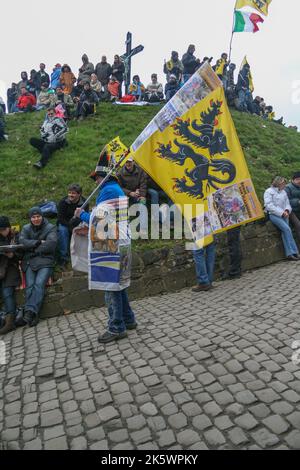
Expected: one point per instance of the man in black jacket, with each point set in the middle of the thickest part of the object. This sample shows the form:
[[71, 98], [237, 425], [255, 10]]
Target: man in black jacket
[[66, 220], [190, 63], [39, 239], [42, 78], [87, 102]]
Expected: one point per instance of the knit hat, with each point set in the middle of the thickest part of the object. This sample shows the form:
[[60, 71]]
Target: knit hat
[[296, 175], [35, 211], [4, 222]]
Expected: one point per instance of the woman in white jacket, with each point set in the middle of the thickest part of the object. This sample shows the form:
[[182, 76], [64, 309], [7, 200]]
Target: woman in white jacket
[[278, 206]]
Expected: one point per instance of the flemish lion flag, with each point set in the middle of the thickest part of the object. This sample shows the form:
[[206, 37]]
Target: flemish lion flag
[[259, 5], [198, 160]]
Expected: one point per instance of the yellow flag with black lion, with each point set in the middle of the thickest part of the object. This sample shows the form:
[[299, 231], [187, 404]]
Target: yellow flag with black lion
[[198, 161]]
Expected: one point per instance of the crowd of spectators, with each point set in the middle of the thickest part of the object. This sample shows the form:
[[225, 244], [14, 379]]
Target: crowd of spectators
[[76, 97]]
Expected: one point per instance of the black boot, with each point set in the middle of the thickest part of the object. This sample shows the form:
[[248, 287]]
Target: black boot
[[9, 324]]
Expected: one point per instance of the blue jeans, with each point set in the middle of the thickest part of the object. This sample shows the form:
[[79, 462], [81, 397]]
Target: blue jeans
[[155, 195], [245, 101], [35, 288], [63, 242], [119, 310], [9, 299], [186, 77], [205, 263], [289, 243]]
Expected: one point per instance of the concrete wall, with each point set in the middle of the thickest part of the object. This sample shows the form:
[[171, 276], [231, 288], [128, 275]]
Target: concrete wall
[[163, 270]]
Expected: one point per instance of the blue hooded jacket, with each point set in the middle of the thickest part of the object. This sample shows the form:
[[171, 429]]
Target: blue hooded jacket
[[110, 190]]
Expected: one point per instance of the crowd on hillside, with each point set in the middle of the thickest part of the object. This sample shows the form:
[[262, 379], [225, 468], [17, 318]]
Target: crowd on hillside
[[76, 97]]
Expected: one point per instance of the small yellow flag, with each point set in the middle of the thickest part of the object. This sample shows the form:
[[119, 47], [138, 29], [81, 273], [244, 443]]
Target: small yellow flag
[[251, 84], [259, 5], [116, 149]]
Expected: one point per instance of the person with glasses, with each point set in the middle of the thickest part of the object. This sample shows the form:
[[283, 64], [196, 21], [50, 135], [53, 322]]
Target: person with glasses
[[53, 137]]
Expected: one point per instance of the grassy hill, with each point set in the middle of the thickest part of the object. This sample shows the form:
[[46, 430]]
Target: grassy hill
[[270, 149]]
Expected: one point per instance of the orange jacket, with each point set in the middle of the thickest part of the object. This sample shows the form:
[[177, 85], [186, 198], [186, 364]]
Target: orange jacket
[[67, 80]]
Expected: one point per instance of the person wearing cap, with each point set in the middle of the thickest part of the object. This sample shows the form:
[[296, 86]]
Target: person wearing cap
[[293, 191], [171, 87], [55, 76], [53, 137], [9, 274], [154, 91], [39, 238], [113, 275], [66, 221]]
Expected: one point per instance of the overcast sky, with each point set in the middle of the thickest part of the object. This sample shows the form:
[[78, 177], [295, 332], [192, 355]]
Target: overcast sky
[[61, 31]]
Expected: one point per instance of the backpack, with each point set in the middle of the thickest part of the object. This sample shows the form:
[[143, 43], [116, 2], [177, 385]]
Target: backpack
[[49, 209]]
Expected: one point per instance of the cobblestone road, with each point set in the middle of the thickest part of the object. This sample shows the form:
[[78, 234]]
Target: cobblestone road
[[203, 371]]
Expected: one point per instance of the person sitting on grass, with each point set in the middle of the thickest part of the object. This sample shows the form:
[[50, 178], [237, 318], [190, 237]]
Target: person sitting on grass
[[136, 88], [66, 221], [171, 87], [39, 238], [26, 102], [63, 100], [9, 274], [53, 137], [87, 102], [154, 91], [46, 97], [113, 88], [96, 85]]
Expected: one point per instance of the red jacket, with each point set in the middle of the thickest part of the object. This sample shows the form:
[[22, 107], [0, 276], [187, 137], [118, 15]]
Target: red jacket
[[26, 100]]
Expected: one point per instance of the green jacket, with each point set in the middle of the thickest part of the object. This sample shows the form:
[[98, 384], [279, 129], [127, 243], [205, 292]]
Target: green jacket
[[293, 192]]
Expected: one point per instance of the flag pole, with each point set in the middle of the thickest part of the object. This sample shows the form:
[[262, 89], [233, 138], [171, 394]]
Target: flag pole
[[230, 47], [233, 24]]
